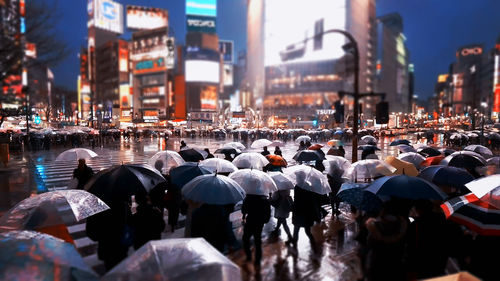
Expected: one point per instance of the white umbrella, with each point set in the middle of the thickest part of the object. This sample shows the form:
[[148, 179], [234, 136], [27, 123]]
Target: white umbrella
[[333, 163], [309, 179], [412, 157], [163, 161], [368, 169], [218, 165], [486, 189], [75, 154], [282, 181], [234, 144], [302, 138], [254, 181], [260, 143], [250, 160]]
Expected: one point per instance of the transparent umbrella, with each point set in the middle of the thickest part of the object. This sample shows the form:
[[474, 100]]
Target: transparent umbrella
[[254, 181], [234, 144], [333, 163], [282, 181], [163, 161], [260, 143], [309, 179], [250, 160], [76, 153], [175, 260], [369, 169], [218, 165], [302, 138], [412, 157], [487, 189], [369, 140]]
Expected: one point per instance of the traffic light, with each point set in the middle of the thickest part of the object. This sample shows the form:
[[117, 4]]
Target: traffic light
[[293, 52], [383, 112], [339, 112]]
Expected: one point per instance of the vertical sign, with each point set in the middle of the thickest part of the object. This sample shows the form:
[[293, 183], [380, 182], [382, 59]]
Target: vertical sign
[[496, 99]]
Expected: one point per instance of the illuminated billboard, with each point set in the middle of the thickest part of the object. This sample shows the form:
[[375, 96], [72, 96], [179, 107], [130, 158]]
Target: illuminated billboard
[[200, 24], [206, 8], [149, 44], [283, 29], [208, 98], [126, 99], [202, 71], [107, 15], [150, 66], [146, 18], [227, 75]]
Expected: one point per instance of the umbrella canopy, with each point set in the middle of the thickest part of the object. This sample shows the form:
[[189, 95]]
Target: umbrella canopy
[[487, 189], [368, 169], [29, 255], [494, 161], [218, 165], [334, 143], [446, 176], [336, 163], [428, 151], [316, 146], [276, 160], [250, 160], [122, 181], [282, 181], [406, 148], [477, 215], [430, 161], [403, 186], [75, 154], [214, 190], [368, 147], [460, 276], [446, 151], [309, 179], [399, 142], [193, 154], [235, 144], [37, 212], [227, 150], [464, 159], [412, 157], [402, 167], [183, 174], [308, 155], [302, 138], [260, 143], [369, 140], [356, 194], [483, 150], [175, 260], [163, 161], [254, 181]]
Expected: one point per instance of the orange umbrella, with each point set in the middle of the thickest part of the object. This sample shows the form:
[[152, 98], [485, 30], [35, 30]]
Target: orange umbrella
[[276, 160], [432, 161], [315, 147]]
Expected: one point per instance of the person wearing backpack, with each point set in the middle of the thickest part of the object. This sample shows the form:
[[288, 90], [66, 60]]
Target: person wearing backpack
[[256, 211], [283, 204]]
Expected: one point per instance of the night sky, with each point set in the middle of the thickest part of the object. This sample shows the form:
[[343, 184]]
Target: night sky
[[435, 29]]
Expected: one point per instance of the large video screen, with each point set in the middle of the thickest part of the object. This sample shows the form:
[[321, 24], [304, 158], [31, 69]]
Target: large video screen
[[207, 8], [202, 71], [146, 18], [208, 98], [297, 23]]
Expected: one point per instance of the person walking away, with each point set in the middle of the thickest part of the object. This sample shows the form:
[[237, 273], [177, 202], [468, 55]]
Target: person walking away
[[209, 155], [319, 166], [82, 173], [305, 213], [302, 146], [228, 157], [210, 222], [335, 181], [183, 145], [283, 204], [147, 222], [173, 199], [277, 151], [256, 212], [265, 152], [341, 151]]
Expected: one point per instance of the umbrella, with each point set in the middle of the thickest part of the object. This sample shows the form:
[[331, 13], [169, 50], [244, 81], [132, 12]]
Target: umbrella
[[214, 190], [218, 165], [356, 194], [368, 147], [402, 167], [464, 159], [446, 151], [399, 142], [428, 151], [254, 181], [276, 160], [412, 157], [334, 142], [309, 179], [123, 181], [186, 172], [235, 144], [336, 163], [430, 161], [193, 154], [302, 138], [75, 154], [404, 186], [477, 215], [460, 276], [406, 148], [315, 147], [368, 169], [37, 212], [483, 150], [175, 260], [369, 140], [250, 160], [260, 143], [494, 161], [227, 150], [487, 189], [163, 161], [308, 155], [446, 176], [30, 255], [282, 181], [338, 132]]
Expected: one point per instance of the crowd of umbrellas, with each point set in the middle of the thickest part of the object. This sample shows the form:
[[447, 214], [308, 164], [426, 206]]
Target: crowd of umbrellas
[[465, 182]]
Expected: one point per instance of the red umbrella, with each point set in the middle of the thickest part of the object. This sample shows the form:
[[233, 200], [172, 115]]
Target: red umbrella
[[432, 161], [315, 146], [276, 160]]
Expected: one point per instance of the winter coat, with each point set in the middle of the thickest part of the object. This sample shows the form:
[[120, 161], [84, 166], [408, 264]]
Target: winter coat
[[306, 209], [256, 208], [283, 204]]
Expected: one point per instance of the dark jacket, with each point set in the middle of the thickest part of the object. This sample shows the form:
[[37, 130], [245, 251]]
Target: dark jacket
[[211, 222], [256, 209], [83, 176], [306, 208], [148, 224]]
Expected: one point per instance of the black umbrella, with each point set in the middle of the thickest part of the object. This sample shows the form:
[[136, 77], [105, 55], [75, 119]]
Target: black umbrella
[[404, 148], [428, 151], [193, 154], [447, 151], [368, 147], [186, 172], [398, 142], [227, 150], [122, 181], [447, 176], [465, 159], [308, 155]]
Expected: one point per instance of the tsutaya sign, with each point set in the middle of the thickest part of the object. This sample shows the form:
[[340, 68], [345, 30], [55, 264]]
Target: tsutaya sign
[[325, 111], [471, 51], [200, 24]]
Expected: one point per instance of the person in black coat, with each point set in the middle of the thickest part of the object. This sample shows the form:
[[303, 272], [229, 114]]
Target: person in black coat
[[277, 151], [148, 222], [265, 152], [211, 222], [82, 173], [306, 211], [256, 211], [209, 155]]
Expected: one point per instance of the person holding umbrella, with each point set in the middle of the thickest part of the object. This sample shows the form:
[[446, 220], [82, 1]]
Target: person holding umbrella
[[183, 145], [265, 152], [277, 151], [82, 173], [256, 212], [209, 155], [283, 204], [305, 213], [147, 222]]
